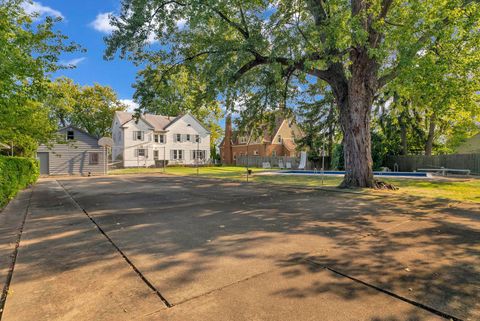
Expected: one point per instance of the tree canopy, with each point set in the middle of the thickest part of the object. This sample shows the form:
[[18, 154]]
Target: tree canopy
[[264, 48], [29, 54], [90, 108]]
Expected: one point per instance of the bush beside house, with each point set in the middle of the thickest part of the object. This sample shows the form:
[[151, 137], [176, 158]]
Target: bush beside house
[[16, 173]]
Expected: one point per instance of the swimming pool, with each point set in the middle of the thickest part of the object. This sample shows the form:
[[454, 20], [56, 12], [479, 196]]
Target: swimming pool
[[391, 174]]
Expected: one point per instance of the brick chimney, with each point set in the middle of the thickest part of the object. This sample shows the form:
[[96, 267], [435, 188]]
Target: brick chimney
[[227, 142]]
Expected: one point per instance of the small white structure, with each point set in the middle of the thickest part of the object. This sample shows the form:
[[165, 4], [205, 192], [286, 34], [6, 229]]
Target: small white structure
[[152, 139]]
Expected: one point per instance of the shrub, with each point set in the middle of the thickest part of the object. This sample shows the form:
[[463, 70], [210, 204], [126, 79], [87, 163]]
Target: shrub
[[16, 173], [338, 161]]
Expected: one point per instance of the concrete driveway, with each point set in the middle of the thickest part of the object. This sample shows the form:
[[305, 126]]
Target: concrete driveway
[[176, 248]]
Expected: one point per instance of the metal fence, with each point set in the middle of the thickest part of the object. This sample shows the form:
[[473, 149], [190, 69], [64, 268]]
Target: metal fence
[[455, 161], [257, 161]]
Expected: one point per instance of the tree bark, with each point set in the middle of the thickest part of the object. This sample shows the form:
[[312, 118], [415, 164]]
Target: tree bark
[[430, 136], [355, 114], [355, 122]]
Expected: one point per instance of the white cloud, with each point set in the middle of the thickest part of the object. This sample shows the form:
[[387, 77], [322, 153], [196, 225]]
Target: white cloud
[[37, 8], [131, 105], [181, 23], [72, 62], [102, 23]]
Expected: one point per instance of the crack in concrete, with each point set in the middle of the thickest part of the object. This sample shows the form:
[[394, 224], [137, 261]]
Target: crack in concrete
[[135, 269], [226, 286]]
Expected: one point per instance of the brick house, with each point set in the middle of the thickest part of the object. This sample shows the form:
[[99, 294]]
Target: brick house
[[279, 142]]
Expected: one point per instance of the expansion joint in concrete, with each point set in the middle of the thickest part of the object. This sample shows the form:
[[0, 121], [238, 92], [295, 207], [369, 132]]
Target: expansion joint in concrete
[[394, 295], [135, 269]]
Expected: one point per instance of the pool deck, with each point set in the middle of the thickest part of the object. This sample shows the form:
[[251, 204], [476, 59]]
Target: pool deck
[[414, 175]]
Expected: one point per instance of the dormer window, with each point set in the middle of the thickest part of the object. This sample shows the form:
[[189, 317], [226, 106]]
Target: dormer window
[[70, 134], [279, 138]]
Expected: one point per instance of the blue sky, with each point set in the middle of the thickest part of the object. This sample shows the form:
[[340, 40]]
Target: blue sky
[[86, 23]]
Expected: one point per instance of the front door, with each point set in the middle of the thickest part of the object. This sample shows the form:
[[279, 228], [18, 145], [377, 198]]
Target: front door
[[43, 158]]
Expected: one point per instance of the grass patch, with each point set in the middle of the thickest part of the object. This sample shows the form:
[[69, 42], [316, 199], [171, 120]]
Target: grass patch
[[452, 189]]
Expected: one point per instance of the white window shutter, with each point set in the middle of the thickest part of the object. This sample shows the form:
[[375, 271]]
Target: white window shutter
[[136, 152], [146, 152], [134, 135]]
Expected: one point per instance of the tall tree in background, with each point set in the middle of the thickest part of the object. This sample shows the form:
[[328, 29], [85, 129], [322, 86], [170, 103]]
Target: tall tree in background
[[176, 93], [319, 123], [90, 108], [356, 46], [29, 52], [94, 109]]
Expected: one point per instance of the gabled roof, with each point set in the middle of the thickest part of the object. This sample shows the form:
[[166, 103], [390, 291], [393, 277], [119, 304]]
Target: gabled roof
[[77, 129], [267, 136], [183, 115], [157, 122]]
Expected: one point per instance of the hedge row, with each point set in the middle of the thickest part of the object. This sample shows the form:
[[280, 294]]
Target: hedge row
[[16, 173]]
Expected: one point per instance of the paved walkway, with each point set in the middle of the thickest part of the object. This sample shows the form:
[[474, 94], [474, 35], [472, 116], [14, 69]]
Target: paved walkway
[[176, 248]]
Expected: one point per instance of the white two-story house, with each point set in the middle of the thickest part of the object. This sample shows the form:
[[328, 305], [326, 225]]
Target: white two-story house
[[152, 139]]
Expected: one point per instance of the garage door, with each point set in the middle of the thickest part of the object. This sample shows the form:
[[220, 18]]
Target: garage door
[[43, 158]]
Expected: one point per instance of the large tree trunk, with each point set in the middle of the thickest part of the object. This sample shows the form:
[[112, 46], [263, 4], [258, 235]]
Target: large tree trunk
[[430, 136], [355, 114], [355, 122]]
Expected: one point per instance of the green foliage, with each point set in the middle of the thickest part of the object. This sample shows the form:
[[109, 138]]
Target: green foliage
[[319, 124], [178, 92], [90, 108], [379, 150], [16, 173], [338, 159], [255, 54], [29, 53]]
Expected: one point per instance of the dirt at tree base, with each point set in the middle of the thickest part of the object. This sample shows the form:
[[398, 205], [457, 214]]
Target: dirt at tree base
[[385, 186]]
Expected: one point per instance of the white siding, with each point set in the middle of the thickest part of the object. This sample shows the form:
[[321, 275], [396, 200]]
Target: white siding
[[125, 144]]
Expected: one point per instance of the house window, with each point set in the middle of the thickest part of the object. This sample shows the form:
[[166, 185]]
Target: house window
[[197, 139], [274, 153], [279, 138], [140, 152], [255, 152], [159, 138], [178, 137], [234, 156], [198, 154], [177, 154], [70, 135], [138, 135], [155, 154], [243, 140], [93, 158], [188, 137]]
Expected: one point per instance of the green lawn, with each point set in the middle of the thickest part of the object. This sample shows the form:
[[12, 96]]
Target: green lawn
[[453, 189]]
